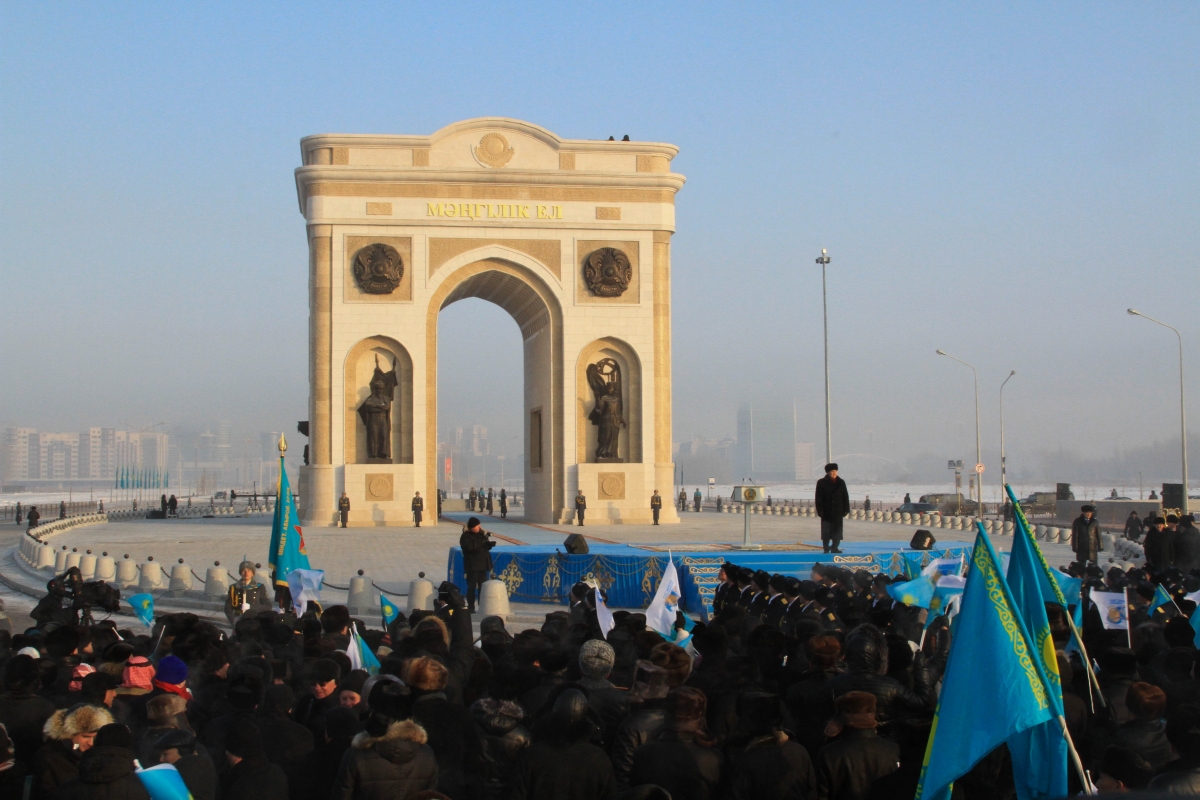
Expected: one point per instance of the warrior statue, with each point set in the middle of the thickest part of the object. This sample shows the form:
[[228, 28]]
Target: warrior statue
[[608, 414], [376, 413]]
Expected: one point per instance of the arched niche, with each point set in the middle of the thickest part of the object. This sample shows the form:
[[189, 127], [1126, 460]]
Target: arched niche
[[629, 447], [360, 366]]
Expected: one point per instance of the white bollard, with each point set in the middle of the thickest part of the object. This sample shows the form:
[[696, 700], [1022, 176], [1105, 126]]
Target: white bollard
[[361, 599], [73, 560], [87, 567], [420, 594], [45, 557], [181, 578], [493, 599], [216, 581], [60, 560], [106, 569], [151, 576]]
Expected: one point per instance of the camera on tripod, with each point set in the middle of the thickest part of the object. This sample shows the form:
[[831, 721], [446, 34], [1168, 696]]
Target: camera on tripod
[[84, 596]]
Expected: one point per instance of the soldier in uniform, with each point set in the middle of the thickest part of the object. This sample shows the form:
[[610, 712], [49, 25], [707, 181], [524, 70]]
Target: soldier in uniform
[[471, 499], [682, 500], [489, 501], [344, 508], [758, 602], [726, 591], [776, 604], [745, 584], [503, 504], [580, 505], [246, 595], [418, 506], [656, 507], [823, 603]]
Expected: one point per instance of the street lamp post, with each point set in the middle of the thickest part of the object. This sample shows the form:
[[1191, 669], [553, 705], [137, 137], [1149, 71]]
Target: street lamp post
[[978, 442], [1182, 406], [824, 262], [1003, 464]]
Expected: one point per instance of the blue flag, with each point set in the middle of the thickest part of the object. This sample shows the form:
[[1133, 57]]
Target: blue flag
[[1040, 753], [1161, 598], [917, 593], [163, 782], [947, 590], [143, 608], [390, 612], [287, 540], [991, 649]]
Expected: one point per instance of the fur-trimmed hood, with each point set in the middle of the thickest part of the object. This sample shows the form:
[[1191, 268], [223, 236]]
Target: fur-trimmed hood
[[65, 723], [400, 744]]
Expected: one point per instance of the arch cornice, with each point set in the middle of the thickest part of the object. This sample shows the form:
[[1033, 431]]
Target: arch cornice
[[551, 283]]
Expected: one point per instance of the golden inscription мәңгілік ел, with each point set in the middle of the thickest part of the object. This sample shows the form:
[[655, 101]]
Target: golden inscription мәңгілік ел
[[492, 211]]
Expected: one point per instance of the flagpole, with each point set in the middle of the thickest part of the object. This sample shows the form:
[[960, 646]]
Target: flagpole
[[1128, 627], [1083, 777]]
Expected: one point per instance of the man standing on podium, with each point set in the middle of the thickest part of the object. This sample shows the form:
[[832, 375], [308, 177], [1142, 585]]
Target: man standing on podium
[[833, 503]]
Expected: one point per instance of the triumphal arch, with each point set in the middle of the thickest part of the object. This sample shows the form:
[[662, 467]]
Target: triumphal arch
[[571, 237]]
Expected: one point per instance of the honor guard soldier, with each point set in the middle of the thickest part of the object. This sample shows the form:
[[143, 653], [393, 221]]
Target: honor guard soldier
[[418, 506], [344, 508], [580, 505], [726, 592], [777, 603], [246, 595], [656, 505]]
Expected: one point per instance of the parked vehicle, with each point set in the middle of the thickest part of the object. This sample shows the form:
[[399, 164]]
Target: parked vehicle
[[1040, 503], [950, 503], [917, 508]]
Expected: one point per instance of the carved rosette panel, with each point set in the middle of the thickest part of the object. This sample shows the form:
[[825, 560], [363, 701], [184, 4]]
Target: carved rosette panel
[[378, 269], [493, 150], [379, 487], [611, 485], [607, 272]]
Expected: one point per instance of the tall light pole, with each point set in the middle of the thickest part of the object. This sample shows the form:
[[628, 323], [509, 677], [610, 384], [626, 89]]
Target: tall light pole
[[1003, 465], [978, 443], [1182, 415], [824, 262]]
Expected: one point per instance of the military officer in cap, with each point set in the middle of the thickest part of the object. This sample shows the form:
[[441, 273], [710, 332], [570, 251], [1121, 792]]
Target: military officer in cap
[[832, 502], [745, 588], [823, 602], [246, 595], [776, 602], [656, 505], [758, 602], [418, 509], [344, 508], [726, 590], [580, 505]]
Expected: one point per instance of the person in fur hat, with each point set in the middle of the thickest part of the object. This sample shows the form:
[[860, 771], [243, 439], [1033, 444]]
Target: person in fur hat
[[390, 758], [69, 734], [106, 770], [683, 758], [767, 764]]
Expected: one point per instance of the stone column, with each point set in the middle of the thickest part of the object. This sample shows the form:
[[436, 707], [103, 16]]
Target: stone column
[[318, 502], [664, 468]]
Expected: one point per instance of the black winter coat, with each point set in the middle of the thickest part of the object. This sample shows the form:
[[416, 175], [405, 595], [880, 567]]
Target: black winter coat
[[105, 773], [562, 769], [631, 734], [832, 498], [504, 738], [53, 765], [1187, 549], [454, 739], [678, 764], [476, 550], [1147, 738], [1085, 539], [254, 779], [199, 775], [1178, 777], [396, 765], [846, 767], [24, 715], [773, 768], [1159, 547]]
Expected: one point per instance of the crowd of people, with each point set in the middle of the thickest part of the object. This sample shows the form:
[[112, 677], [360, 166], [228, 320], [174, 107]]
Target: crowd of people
[[818, 688]]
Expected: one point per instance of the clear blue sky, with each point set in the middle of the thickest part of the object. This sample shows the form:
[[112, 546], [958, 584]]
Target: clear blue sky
[[1000, 181]]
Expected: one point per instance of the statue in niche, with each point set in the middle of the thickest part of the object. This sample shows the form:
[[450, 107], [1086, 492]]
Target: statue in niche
[[376, 414], [607, 272], [608, 414]]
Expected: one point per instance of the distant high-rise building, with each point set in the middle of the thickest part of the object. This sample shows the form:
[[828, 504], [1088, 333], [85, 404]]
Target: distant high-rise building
[[805, 467], [14, 454], [479, 443], [766, 445]]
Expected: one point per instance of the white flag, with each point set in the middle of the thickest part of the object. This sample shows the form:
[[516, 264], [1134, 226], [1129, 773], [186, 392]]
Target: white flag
[[1114, 610], [305, 585], [603, 616], [660, 616], [1194, 597], [943, 566], [354, 651]]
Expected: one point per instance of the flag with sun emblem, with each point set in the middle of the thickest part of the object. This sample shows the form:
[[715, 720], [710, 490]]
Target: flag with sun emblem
[[143, 608], [388, 609], [660, 616]]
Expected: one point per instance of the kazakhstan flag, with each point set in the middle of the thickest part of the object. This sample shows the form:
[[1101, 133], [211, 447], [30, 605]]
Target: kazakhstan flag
[[389, 610], [990, 649], [143, 608], [1039, 754], [287, 540], [917, 593]]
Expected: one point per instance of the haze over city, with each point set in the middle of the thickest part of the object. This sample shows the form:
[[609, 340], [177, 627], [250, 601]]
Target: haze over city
[[1000, 183]]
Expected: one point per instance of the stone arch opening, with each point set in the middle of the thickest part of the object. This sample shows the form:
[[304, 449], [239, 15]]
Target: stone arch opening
[[629, 448], [520, 290]]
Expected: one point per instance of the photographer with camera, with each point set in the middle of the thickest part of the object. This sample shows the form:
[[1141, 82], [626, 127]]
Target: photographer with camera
[[476, 547]]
